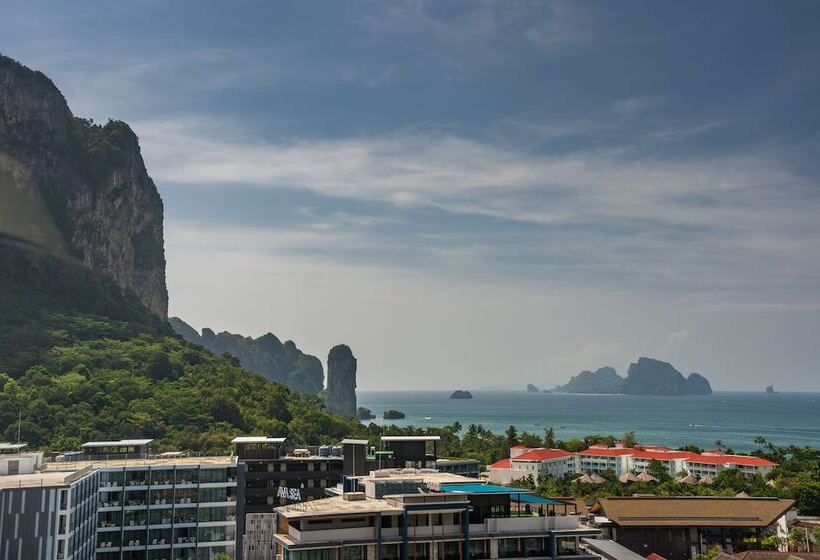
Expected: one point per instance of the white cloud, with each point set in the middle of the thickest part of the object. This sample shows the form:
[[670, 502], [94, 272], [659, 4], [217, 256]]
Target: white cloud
[[732, 222], [674, 339]]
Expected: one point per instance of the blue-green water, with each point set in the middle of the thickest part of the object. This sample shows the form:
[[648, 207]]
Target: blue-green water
[[732, 417]]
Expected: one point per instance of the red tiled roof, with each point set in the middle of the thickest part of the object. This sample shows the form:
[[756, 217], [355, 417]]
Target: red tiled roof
[[502, 464], [607, 451], [653, 556], [543, 454], [664, 455], [745, 460]]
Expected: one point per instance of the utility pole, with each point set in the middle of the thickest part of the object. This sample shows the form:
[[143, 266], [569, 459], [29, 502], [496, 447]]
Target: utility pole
[[19, 422]]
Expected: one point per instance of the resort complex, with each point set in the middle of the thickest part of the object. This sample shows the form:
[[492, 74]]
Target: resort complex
[[623, 461]]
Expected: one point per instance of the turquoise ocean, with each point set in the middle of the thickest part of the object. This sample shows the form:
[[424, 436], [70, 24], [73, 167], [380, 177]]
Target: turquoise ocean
[[735, 418]]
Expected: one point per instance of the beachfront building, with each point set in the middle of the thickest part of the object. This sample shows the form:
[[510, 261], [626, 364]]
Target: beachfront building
[[403, 515], [681, 528], [711, 463], [524, 461], [599, 458], [541, 462]]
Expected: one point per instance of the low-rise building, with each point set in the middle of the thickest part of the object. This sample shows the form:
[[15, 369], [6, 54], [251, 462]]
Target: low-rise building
[[681, 528], [621, 460], [402, 515]]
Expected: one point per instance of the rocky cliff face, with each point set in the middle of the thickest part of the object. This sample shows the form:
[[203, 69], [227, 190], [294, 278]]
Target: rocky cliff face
[[266, 355], [340, 397], [645, 377], [77, 188], [604, 380], [654, 377]]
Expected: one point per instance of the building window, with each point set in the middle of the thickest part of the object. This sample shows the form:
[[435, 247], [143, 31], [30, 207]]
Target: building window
[[353, 553]]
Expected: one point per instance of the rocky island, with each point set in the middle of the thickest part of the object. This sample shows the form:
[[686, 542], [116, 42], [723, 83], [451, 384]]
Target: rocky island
[[770, 389], [363, 413], [647, 376], [393, 415], [460, 394], [531, 388]]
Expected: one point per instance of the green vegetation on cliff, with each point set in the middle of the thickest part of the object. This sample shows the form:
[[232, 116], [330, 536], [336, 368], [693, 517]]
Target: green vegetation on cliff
[[81, 361]]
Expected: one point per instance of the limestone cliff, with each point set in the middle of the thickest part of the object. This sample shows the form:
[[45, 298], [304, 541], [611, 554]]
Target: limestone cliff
[[604, 380], [76, 188], [266, 355], [340, 397], [644, 377]]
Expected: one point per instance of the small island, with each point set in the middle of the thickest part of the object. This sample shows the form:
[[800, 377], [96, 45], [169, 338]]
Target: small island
[[770, 390], [363, 413], [531, 388], [393, 415], [459, 394]]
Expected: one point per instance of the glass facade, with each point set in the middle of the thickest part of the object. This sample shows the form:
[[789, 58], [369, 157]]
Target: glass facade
[[154, 512]]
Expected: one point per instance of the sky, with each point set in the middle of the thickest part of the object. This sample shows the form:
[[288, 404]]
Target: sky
[[473, 194]]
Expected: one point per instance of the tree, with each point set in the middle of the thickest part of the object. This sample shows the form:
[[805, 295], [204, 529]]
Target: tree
[[710, 554], [629, 439], [658, 470], [512, 436], [719, 445], [549, 437]]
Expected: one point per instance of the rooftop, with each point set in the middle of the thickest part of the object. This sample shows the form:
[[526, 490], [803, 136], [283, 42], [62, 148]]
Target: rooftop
[[502, 464], [411, 438], [354, 442], [119, 443], [692, 511], [337, 505], [68, 466], [12, 446], [36, 479], [258, 439], [543, 454]]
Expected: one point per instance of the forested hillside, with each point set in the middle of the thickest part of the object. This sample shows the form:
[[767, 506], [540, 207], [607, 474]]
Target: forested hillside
[[81, 361]]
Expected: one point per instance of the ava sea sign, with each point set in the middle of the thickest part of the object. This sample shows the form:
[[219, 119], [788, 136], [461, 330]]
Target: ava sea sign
[[293, 494]]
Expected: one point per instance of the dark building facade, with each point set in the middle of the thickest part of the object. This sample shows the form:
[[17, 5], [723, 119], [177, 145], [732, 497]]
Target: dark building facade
[[681, 528]]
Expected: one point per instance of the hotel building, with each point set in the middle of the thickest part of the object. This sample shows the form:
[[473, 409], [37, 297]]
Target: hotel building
[[415, 514], [599, 458]]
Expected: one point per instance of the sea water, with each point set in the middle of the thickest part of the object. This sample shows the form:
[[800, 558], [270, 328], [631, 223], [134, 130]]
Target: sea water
[[735, 418]]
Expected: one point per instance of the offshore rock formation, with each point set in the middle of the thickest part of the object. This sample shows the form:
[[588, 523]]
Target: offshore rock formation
[[603, 381], [696, 384], [531, 388], [78, 189], [461, 394], [340, 397], [645, 377], [266, 355], [654, 377]]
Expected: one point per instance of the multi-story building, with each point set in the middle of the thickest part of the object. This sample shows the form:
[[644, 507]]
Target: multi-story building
[[541, 462], [164, 507], [47, 515], [272, 475], [401, 515], [621, 460], [464, 467]]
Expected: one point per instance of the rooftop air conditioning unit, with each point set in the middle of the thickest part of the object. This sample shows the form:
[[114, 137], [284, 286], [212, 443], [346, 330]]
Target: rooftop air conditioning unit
[[354, 496]]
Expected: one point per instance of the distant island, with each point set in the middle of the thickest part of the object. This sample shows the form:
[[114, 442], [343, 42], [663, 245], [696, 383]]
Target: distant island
[[770, 389], [393, 415], [546, 391], [531, 388], [647, 376], [363, 413], [459, 394]]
